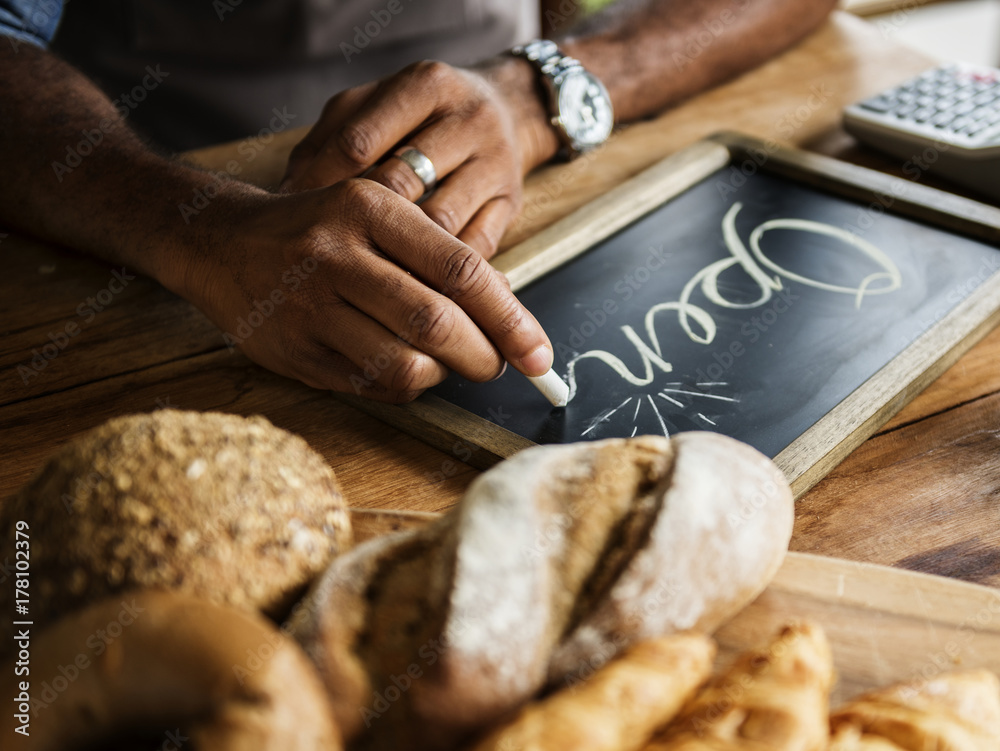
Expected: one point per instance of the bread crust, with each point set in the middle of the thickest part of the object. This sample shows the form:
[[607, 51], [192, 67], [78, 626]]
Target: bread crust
[[554, 559], [155, 661], [955, 711], [619, 706], [220, 506], [774, 698]]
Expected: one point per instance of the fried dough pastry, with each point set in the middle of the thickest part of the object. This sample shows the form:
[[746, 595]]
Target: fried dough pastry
[[618, 707], [771, 699], [955, 711]]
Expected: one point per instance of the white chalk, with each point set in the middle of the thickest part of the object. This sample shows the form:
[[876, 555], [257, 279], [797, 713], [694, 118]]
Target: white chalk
[[552, 387]]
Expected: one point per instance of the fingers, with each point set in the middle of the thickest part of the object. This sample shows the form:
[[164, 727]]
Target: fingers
[[399, 177], [329, 370], [472, 303], [474, 191], [384, 359], [422, 317], [485, 230], [469, 181], [390, 301], [360, 126], [353, 353], [446, 142], [450, 116], [321, 136]]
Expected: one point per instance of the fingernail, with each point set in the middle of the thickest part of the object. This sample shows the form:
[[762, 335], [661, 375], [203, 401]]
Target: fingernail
[[538, 362], [502, 371]]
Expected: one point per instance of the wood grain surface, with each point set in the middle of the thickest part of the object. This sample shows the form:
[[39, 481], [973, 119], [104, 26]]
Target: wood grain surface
[[921, 494]]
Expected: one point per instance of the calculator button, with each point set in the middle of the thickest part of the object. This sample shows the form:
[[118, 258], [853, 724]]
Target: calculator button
[[906, 110], [924, 114], [877, 104], [964, 108], [941, 119], [985, 97]]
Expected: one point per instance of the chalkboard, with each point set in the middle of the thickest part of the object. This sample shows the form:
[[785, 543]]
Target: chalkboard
[[768, 295]]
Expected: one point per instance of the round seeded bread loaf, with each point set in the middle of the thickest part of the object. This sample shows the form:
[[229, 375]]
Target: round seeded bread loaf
[[228, 508]]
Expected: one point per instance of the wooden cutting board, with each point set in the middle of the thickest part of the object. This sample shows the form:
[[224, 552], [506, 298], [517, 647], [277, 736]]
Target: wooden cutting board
[[884, 624]]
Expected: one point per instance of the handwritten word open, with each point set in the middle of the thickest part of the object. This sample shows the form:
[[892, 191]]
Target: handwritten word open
[[698, 324]]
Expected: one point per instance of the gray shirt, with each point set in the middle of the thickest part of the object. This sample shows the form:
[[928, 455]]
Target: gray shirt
[[225, 69]]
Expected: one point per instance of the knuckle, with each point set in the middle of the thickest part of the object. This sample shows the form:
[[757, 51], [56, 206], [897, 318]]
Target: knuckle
[[317, 241], [299, 353], [434, 72], [482, 240], [357, 195], [465, 272], [357, 143], [410, 375], [398, 181], [490, 368], [508, 318], [435, 324], [445, 216], [481, 109]]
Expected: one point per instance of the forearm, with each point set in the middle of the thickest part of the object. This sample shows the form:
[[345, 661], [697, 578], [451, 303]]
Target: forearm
[[75, 173], [653, 53], [347, 287]]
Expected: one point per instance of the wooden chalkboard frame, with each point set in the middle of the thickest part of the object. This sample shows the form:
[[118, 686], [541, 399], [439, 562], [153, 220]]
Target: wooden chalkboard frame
[[806, 460]]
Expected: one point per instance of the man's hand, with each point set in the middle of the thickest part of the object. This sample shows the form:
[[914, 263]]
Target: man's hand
[[483, 130], [352, 288], [390, 288]]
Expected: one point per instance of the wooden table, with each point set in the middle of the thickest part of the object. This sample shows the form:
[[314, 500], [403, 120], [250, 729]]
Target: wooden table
[[924, 493]]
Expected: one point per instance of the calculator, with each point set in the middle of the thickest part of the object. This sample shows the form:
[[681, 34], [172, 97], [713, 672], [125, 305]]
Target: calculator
[[945, 122]]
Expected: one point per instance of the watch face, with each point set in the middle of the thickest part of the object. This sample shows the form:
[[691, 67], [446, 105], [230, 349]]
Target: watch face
[[585, 110]]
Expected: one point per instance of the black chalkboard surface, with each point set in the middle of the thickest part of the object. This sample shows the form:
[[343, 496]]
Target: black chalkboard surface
[[785, 299], [676, 323]]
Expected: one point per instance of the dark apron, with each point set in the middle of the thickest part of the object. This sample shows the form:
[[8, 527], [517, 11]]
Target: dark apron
[[232, 65]]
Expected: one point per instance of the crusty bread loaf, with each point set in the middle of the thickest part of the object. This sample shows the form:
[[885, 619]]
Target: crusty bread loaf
[[553, 562], [192, 673], [220, 506]]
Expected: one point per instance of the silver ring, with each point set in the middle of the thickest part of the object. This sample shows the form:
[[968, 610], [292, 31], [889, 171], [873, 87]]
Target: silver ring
[[422, 167]]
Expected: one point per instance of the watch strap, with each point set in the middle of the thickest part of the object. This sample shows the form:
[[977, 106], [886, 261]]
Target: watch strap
[[554, 66]]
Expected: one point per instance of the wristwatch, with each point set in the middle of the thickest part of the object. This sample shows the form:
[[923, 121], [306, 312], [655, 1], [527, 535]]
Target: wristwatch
[[579, 105]]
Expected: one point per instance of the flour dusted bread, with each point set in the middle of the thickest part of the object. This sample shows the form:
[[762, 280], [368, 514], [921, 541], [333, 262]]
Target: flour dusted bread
[[720, 531], [771, 699], [180, 670], [552, 563], [221, 506], [954, 711]]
